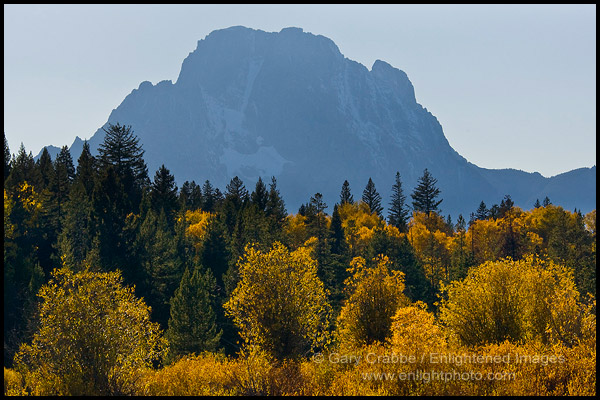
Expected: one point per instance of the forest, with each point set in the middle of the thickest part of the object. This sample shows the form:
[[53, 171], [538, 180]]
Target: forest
[[116, 283]]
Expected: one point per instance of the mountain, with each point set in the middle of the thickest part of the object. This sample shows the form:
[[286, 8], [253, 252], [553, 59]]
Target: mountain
[[289, 104]]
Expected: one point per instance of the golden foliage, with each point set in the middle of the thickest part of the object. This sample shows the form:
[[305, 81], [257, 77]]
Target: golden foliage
[[279, 304]]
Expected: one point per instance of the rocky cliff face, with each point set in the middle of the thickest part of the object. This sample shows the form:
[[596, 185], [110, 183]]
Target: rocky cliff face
[[289, 104]]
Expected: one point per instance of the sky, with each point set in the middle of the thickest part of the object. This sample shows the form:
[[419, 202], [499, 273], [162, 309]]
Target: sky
[[513, 86]]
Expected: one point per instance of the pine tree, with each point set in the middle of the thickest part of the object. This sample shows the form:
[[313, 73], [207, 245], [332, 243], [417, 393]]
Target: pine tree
[[425, 194], [275, 207], [209, 197], [537, 203], [345, 195], [66, 161], [121, 149], [86, 169], [546, 202], [22, 169], [75, 239], [190, 196], [46, 170], [398, 213], [482, 212], [164, 194], [6, 158], [236, 191], [192, 326], [260, 195], [372, 198]]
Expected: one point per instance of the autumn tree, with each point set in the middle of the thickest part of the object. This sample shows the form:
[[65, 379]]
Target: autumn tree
[[513, 300], [372, 198], [425, 194], [93, 335], [373, 297], [280, 304]]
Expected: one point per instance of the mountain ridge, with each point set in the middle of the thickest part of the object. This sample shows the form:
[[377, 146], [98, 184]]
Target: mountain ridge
[[289, 104]]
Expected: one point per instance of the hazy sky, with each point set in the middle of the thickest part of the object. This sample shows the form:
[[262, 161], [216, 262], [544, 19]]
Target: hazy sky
[[514, 86]]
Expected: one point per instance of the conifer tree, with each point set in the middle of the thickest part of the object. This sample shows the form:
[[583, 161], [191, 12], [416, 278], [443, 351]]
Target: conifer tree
[[22, 169], [537, 203], [164, 194], [546, 202], [192, 326], [86, 169], [260, 195], [6, 158], [275, 207], [482, 212], [190, 196], [75, 239], [46, 170], [345, 195], [121, 149], [65, 160], [372, 198], [64, 173], [209, 197], [236, 191], [425, 194], [398, 213]]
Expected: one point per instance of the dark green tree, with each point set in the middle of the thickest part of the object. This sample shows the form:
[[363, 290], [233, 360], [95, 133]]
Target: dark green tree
[[86, 172], [237, 192], [345, 195], [275, 207], [193, 326], [22, 169], [190, 196], [546, 202], [398, 212], [6, 158], [164, 194], [482, 212], [260, 196], [121, 150], [209, 197], [537, 203], [425, 194], [372, 198], [46, 170]]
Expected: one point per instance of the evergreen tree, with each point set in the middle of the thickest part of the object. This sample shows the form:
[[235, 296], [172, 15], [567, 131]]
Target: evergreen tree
[[546, 202], [86, 169], [209, 197], [164, 194], [345, 195], [46, 170], [192, 326], [121, 149], [157, 252], [190, 196], [425, 194], [65, 160], [22, 169], [64, 173], [75, 239], [398, 213], [461, 225], [372, 198], [275, 207], [537, 203], [236, 191], [6, 158], [260, 195], [482, 212]]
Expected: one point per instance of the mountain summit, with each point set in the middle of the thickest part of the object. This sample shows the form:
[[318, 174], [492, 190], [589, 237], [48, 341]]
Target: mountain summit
[[289, 104]]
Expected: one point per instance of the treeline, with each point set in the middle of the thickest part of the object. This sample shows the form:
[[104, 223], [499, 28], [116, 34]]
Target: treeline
[[233, 273]]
